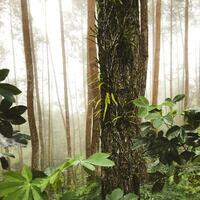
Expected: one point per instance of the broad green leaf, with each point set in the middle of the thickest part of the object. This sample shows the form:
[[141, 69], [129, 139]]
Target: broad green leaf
[[10, 88], [116, 194], [142, 111], [87, 165], [169, 104], [130, 196], [157, 123], [55, 176], [173, 131], [13, 177], [100, 159], [3, 74], [178, 98], [44, 184], [26, 173], [17, 110], [141, 102], [168, 119], [17, 195], [152, 116], [9, 187], [36, 193]]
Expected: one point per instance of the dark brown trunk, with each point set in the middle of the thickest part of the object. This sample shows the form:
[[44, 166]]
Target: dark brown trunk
[[123, 51]]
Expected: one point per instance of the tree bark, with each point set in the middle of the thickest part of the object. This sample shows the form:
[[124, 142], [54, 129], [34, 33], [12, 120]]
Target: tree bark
[[186, 67], [171, 51], [30, 85], [92, 124], [156, 58], [122, 46]]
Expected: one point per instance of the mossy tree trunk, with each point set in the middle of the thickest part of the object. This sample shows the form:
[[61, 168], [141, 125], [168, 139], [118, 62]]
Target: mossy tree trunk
[[122, 39]]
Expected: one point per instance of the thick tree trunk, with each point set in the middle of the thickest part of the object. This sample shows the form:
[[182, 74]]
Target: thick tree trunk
[[67, 122], [156, 58], [122, 45], [92, 125], [30, 85], [186, 85]]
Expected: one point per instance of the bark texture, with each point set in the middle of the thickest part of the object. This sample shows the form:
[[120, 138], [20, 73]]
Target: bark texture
[[30, 85], [92, 122], [156, 65], [122, 39], [186, 67]]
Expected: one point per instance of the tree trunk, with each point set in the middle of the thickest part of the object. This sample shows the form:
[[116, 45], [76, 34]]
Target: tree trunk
[[30, 85], [122, 45], [186, 85], [171, 52], [92, 125], [156, 58], [67, 122]]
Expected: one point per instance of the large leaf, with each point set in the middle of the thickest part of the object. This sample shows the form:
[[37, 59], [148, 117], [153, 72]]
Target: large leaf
[[26, 173], [100, 159], [13, 177], [157, 123], [9, 187], [141, 102], [3, 74], [5, 105], [6, 129], [37, 195], [17, 110], [10, 88], [116, 194], [178, 98]]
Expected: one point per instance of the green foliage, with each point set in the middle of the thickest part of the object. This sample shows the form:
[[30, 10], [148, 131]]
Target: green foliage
[[27, 187], [118, 194], [171, 145], [20, 186], [10, 116]]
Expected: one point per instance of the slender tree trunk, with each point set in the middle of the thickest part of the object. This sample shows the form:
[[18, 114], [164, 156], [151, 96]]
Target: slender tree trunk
[[122, 44], [156, 66], [67, 122], [171, 52], [92, 125], [186, 67], [30, 85], [39, 109]]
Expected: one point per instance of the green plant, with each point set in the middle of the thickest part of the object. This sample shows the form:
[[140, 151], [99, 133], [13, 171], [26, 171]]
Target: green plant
[[118, 194], [24, 185], [172, 146], [21, 186], [9, 116]]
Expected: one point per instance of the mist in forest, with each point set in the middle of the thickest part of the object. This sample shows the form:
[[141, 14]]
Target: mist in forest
[[59, 32]]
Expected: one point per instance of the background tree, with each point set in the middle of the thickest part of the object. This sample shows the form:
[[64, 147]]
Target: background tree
[[30, 85], [156, 58], [92, 124]]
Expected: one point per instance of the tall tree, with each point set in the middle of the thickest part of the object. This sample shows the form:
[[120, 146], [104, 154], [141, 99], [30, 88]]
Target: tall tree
[[30, 84], [156, 65], [122, 46], [186, 67], [171, 52], [67, 122], [92, 125]]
